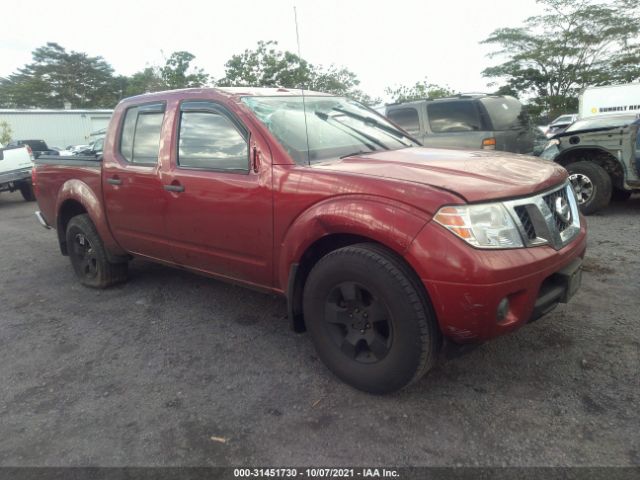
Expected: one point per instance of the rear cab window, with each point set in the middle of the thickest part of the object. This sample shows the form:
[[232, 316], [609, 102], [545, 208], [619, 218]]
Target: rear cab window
[[453, 116], [140, 138]]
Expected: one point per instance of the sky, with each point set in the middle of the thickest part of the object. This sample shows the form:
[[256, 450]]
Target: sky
[[386, 43]]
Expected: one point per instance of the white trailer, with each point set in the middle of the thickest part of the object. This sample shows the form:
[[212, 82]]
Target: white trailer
[[610, 99]]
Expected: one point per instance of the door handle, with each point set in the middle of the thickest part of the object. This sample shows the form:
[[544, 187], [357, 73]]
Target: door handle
[[174, 188], [114, 181]]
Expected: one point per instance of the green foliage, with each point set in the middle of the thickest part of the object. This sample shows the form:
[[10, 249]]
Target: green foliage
[[57, 76], [418, 91], [573, 44], [177, 72], [5, 133], [144, 81], [266, 66]]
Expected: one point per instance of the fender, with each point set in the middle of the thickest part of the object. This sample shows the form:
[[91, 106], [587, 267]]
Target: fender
[[80, 192], [389, 222]]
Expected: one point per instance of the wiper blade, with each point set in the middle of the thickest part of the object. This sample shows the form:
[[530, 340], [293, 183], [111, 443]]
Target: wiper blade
[[370, 120], [359, 152], [358, 133]]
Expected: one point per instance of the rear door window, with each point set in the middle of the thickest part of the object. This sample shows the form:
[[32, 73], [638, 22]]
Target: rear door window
[[405, 118], [140, 139], [456, 116]]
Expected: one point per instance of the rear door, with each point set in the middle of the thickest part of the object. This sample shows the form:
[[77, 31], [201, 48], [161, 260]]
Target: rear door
[[135, 200], [219, 216], [454, 124]]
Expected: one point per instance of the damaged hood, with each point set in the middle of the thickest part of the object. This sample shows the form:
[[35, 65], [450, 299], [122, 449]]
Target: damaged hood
[[474, 175]]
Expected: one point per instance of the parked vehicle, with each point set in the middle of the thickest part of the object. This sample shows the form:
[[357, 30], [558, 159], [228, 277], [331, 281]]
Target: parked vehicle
[[16, 164], [62, 152], [602, 155], [38, 147], [487, 122], [382, 248], [560, 124], [609, 100]]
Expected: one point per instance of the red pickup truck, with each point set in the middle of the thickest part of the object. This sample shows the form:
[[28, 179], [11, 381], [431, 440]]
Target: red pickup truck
[[383, 249]]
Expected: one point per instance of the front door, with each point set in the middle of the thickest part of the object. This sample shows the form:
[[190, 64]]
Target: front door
[[219, 215]]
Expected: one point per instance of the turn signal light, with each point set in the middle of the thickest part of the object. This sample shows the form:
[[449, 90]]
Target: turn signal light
[[489, 144]]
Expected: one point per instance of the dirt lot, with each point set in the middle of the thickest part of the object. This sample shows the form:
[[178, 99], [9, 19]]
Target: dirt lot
[[148, 372]]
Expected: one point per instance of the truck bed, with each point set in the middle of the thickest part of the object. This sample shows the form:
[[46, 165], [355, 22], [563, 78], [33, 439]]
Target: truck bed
[[55, 173]]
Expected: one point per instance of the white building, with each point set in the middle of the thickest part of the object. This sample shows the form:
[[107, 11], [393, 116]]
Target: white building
[[59, 128]]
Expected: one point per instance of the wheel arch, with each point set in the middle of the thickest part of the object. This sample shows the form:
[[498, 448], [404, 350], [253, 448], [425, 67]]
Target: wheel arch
[[333, 225], [599, 156], [77, 198]]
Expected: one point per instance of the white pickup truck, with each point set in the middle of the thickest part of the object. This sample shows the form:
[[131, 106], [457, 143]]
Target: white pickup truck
[[15, 170]]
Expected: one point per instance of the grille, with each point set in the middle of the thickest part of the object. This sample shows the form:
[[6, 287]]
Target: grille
[[538, 221], [524, 217], [550, 200]]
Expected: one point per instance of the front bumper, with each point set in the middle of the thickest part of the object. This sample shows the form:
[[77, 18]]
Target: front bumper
[[467, 285]]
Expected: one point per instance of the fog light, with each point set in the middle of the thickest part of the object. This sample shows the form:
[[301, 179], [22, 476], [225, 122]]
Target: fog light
[[503, 309]]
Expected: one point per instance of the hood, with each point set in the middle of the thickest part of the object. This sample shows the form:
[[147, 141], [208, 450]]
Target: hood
[[474, 175]]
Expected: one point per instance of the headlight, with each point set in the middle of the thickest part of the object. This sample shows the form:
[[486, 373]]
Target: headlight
[[486, 225], [551, 143]]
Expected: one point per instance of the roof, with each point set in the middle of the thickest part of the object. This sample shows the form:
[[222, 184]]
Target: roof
[[235, 92]]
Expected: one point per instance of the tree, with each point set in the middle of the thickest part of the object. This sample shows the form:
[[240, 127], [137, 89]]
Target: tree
[[5, 133], [418, 91], [266, 66], [573, 44], [339, 81], [144, 81], [177, 72], [56, 77]]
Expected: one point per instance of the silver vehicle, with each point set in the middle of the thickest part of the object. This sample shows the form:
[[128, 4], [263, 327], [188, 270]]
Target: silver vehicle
[[478, 121], [602, 155], [560, 124]]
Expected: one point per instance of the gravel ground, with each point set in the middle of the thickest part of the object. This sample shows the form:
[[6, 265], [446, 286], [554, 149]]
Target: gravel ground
[[176, 369]]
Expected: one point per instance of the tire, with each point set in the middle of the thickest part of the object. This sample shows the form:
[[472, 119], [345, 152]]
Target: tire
[[369, 282], [592, 185], [620, 195], [26, 189], [89, 257]]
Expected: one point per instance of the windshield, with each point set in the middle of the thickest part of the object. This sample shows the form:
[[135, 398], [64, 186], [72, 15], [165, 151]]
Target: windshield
[[336, 127], [506, 113], [563, 119], [602, 122]]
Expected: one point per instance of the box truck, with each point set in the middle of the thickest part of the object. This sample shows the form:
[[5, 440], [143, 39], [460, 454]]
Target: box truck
[[610, 99]]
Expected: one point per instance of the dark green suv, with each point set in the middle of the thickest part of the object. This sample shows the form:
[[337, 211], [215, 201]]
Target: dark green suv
[[489, 122]]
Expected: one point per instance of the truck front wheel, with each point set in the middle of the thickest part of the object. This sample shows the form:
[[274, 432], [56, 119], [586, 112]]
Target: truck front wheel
[[89, 257], [370, 321], [592, 185]]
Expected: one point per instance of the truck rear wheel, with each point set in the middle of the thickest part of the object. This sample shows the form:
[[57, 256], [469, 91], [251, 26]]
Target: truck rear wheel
[[26, 189], [89, 257], [370, 321], [592, 185]]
